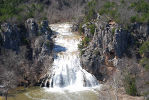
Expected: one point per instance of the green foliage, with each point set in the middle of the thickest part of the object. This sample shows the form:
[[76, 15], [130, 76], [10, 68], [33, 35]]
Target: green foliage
[[110, 9], [133, 19], [86, 40], [92, 28], [113, 30], [19, 10], [84, 43], [130, 85], [9, 8], [142, 7], [109, 5], [90, 10], [144, 48], [122, 1], [102, 11], [145, 63]]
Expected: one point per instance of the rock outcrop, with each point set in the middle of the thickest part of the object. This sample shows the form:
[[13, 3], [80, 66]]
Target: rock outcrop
[[111, 50], [107, 45], [33, 45], [10, 36], [32, 27], [43, 44]]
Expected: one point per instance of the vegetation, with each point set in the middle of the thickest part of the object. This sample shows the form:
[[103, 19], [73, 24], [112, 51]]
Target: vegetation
[[110, 9], [84, 43], [90, 12], [92, 28], [142, 7], [17, 10], [144, 48], [117, 11], [130, 85], [144, 51], [113, 30], [145, 63]]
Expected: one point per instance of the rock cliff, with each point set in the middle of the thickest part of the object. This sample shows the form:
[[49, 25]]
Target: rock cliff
[[107, 44], [31, 44], [108, 49]]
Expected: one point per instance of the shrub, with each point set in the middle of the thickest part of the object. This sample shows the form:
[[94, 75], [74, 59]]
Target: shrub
[[84, 43], [145, 63], [144, 48], [108, 5], [82, 52], [130, 85], [110, 9], [92, 28], [102, 11], [113, 30], [90, 12], [122, 1], [133, 19], [142, 7]]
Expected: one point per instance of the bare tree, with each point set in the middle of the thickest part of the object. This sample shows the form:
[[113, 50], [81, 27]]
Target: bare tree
[[8, 82]]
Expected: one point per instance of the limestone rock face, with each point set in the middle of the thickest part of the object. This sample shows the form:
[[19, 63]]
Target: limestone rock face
[[105, 48], [33, 44], [32, 27], [10, 36], [43, 44], [40, 37]]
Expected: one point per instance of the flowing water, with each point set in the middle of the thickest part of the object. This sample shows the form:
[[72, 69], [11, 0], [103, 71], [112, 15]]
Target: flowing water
[[66, 80]]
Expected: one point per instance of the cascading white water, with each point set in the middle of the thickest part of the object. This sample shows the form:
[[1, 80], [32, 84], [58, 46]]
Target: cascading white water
[[68, 81], [67, 71]]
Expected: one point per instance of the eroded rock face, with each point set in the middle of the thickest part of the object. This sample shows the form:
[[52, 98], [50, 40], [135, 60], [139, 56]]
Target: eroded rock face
[[104, 50], [10, 36], [32, 27], [37, 43]]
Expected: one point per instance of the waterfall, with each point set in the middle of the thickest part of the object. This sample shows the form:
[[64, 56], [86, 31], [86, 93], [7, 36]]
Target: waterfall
[[66, 70]]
